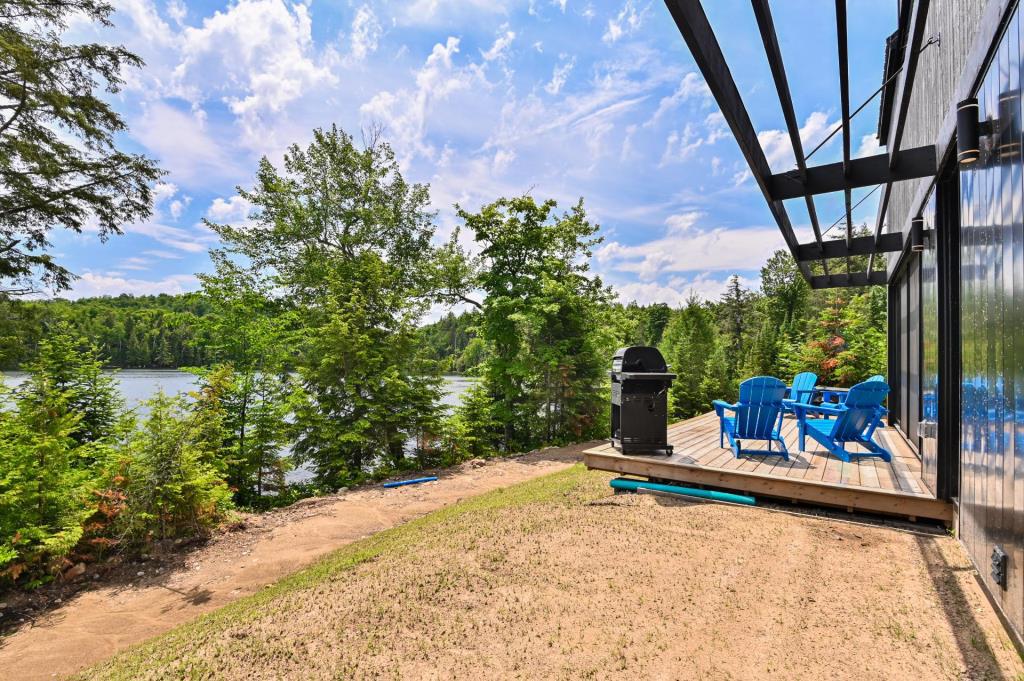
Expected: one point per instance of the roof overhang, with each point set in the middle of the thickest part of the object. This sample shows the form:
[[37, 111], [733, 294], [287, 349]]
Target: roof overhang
[[806, 182]]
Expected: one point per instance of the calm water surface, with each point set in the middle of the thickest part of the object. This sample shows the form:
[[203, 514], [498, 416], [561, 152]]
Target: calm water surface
[[138, 385]]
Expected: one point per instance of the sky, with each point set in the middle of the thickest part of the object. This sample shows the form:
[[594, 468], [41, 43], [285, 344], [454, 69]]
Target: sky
[[481, 99]]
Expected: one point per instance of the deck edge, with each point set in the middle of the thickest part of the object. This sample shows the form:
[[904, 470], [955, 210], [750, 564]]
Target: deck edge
[[888, 502]]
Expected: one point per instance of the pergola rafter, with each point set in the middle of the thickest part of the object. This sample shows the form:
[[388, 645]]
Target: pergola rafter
[[806, 182]]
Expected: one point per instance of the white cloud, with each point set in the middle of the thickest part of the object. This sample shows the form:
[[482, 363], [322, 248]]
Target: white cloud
[[258, 56], [560, 75], [692, 86], [195, 240], [158, 253], [91, 284], [502, 159], [177, 11], [869, 146], [366, 33], [625, 23], [686, 247], [779, 150], [404, 113], [681, 146], [232, 210], [180, 142], [135, 263], [500, 46], [178, 206], [677, 291]]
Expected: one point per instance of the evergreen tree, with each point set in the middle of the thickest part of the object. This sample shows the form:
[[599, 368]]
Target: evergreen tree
[[168, 474], [59, 165], [734, 313], [688, 344]]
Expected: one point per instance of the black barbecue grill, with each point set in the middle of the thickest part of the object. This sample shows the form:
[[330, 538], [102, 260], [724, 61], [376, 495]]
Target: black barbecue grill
[[640, 383]]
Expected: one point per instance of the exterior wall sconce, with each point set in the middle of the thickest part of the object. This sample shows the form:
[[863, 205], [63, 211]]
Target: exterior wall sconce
[[917, 244], [968, 149], [1009, 125]]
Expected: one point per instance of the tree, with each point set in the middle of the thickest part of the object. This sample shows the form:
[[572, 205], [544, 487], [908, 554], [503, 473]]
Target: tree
[[43, 485], [166, 470], [346, 243], [72, 367], [59, 165], [785, 288], [734, 312], [544, 321], [65, 419], [688, 344]]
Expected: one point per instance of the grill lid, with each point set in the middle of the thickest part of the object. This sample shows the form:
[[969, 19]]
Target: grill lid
[[639, 359]]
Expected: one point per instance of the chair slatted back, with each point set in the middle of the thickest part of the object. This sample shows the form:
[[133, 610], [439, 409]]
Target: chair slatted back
[[802, 389], [758, 407], [862, 408], [876, 377]]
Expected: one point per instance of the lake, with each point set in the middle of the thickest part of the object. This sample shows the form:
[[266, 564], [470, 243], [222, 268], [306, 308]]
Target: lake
[[138, 385]]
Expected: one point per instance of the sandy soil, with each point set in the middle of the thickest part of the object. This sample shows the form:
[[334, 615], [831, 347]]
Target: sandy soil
[[155, 596], [574, 583]]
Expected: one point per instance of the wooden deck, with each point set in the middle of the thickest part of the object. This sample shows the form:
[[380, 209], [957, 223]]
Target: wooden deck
[[868, 484]]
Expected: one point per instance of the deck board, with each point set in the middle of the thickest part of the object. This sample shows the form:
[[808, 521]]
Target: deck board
[[867, 484]]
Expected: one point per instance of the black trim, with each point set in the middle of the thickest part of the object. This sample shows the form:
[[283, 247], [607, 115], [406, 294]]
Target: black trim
[[947, 234]]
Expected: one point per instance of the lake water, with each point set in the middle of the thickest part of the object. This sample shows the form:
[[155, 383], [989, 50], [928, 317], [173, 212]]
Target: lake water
[[138, 385]]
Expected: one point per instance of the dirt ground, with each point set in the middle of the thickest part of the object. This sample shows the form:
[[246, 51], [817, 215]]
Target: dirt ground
[[557, 578], [145, 599]]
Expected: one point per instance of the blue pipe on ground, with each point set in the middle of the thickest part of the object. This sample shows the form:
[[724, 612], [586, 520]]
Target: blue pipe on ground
[[634, 485], [414, 481]]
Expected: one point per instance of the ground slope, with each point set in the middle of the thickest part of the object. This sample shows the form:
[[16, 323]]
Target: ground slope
[[100, 621], [555, 578]]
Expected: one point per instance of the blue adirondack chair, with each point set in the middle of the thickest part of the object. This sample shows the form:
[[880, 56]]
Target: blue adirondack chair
[[757, 416], [801, 391], [856, 421]]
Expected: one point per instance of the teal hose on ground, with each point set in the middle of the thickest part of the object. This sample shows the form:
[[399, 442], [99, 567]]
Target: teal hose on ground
[[634, 485]]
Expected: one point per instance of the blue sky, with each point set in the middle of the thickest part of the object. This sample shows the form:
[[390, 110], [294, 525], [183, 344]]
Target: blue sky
[[482, 98]]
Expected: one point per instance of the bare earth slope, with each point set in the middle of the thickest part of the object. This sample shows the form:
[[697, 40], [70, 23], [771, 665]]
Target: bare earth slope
[[555, 578], [97, 623]]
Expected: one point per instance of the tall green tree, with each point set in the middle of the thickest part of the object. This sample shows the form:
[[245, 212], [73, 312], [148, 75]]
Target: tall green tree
[[346, 242], [59, 164], [544, 320], [688, 344], [249, 336], [785, 289], [734, 310]]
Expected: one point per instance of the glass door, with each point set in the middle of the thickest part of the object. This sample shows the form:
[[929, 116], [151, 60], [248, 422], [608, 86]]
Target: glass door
[[928, 428]]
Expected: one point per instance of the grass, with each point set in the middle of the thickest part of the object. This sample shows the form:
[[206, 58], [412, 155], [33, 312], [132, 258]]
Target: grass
[[557, 578], [167, 656]]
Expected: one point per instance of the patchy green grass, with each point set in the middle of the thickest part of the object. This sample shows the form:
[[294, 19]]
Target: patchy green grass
[[171, 655], [557, 578]]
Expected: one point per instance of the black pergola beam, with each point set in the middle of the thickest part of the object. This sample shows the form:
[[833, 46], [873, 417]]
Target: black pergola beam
[[844, 103], [846, 280], [859, 245], [766, 26], [904, 88], [693, 25], [863, 172], [905, 83]]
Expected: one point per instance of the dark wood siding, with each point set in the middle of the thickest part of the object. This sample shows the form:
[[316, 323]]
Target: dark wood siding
[[992, 294]]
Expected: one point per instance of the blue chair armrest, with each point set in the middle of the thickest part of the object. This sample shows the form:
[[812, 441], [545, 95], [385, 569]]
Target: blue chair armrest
[[802, 409], [720, 406]]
